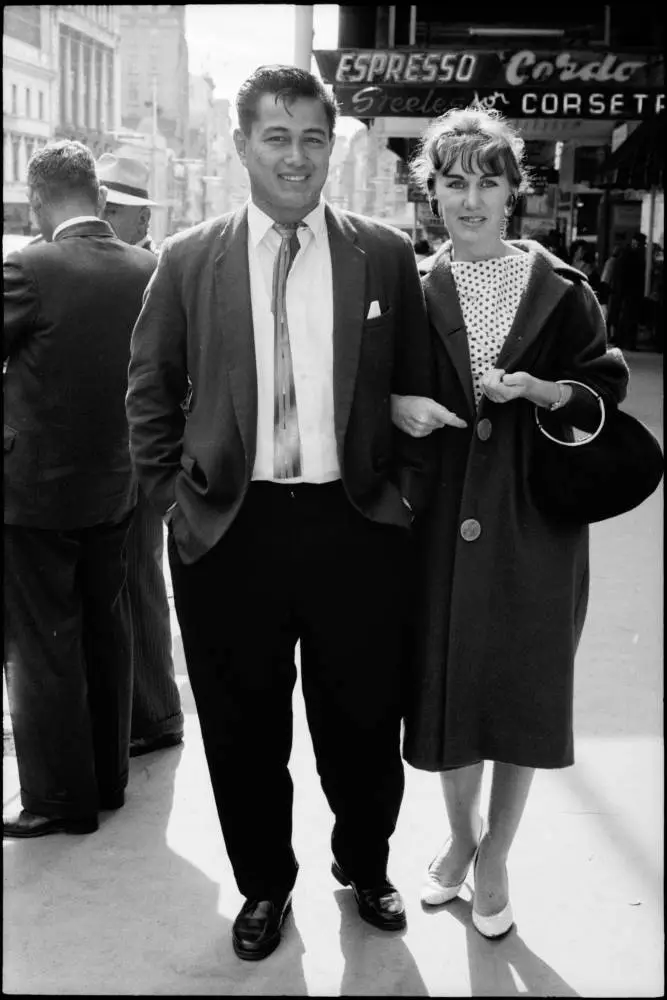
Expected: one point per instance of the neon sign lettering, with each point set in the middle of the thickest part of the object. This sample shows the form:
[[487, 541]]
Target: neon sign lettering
[[523, 67]]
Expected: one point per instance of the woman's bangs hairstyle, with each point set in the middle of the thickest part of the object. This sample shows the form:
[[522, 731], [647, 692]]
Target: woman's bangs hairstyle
[[483, 139]]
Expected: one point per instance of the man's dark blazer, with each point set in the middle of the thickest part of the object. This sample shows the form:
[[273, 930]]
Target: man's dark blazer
[[70, 306], [197, 321]]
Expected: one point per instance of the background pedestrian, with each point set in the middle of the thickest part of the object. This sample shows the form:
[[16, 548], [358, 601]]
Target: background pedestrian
[[70, 306], [157, 718]]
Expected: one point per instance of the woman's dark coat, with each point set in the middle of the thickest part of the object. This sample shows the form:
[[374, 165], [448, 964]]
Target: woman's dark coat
[[503, 590]]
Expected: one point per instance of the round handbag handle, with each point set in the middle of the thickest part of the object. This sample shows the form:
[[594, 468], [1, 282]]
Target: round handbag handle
[[574, 444]]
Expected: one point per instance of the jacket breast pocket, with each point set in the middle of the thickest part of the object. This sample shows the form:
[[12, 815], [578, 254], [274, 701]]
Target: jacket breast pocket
[[377, 322], [9, 437]]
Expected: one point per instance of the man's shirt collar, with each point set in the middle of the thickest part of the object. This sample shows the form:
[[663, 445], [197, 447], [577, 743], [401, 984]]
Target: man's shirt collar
[[259, 223], [73, 222]]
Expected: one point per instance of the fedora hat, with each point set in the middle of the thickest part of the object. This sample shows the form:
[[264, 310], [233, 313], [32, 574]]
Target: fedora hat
[[126, 180]]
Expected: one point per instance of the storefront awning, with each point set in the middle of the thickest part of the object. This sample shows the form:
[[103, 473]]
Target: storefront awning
[[638, 162]]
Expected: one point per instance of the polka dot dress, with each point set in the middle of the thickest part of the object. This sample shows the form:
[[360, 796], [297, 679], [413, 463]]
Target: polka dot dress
[[489, 292]]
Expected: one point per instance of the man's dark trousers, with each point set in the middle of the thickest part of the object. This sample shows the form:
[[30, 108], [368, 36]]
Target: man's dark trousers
[[68, 666], [299, 563], [156, 703]]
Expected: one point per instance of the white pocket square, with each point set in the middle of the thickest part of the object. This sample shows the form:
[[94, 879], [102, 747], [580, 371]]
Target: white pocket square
[[374, 309]]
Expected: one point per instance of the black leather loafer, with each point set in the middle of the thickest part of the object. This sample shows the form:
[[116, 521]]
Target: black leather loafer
[[146, 744], [256, 930], [28, 824], [380, 905]]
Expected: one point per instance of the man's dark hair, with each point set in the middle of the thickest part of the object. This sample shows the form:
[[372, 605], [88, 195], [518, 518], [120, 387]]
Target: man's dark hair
[[287, 84], [62, 171], [588, 256]]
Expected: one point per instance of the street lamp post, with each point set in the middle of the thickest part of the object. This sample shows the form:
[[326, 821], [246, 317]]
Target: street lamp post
[[154, 136], [303, 35]]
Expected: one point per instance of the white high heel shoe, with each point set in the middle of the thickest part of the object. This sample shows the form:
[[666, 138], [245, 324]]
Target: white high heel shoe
[[434, 891], [496, 924]]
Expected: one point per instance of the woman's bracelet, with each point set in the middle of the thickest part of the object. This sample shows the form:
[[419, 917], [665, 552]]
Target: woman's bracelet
[[576, 443], [562, 397]]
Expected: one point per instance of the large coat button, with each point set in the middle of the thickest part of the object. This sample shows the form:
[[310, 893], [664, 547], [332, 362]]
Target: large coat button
[[470, 530], [484, 429]]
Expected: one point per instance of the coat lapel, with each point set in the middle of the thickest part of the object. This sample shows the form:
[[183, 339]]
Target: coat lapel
[[447, 320], [348, 268], [232, 289], [544, 291]]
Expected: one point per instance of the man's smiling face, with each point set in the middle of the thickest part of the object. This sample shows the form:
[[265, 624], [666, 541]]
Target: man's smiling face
[[286, 156]]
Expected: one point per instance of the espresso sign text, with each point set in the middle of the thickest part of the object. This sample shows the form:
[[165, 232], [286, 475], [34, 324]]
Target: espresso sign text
[[485, 68]]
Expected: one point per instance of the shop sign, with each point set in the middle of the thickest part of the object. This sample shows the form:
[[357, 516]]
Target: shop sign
[[524, 84], [482, 67], [375, 102], [402, 175]]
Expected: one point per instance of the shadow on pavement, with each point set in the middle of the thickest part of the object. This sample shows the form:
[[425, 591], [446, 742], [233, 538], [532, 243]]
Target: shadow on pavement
[[495, 966], [117, 912], [377, 963]]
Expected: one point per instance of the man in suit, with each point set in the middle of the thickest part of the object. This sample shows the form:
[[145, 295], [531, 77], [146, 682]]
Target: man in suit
[[157, 719], [288, 496], [70, 306]]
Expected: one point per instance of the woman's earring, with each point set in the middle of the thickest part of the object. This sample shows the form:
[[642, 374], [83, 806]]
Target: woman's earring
[[510, 205], [435, 208]]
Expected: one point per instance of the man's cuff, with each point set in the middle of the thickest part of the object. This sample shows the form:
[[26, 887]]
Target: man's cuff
[[406, 503], [168, 514]]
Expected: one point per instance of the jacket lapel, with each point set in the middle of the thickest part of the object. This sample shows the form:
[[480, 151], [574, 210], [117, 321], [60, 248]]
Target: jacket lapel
[[348, 268], [447, 320], [232, 289]]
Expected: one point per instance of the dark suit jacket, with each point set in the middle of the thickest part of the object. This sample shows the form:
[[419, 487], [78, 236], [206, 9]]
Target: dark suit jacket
[[70, 307], [197, 322]]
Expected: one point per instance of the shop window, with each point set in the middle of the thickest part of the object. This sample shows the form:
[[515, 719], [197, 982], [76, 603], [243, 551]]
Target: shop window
[[587, 206], [587, 163], [16, 146], [25, 23]]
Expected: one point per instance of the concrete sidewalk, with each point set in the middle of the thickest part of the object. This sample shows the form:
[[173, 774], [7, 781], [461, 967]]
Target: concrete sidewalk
[[145, 905]]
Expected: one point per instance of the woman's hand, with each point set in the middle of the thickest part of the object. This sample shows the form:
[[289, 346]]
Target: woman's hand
[[502, 388], [419, 416]]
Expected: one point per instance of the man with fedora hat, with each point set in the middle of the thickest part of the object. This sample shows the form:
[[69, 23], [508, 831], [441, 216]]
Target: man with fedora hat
[[157, 719], [128, 207]]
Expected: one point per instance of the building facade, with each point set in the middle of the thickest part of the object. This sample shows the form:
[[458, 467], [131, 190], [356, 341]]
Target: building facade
[[89, 74], [575, 81], [154, 56], [61, 80], [29, 83]]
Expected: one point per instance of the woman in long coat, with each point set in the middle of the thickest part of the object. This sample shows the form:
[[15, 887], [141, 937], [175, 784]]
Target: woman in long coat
[[502, 589]]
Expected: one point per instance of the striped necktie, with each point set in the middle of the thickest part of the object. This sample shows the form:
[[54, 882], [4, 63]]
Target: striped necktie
[[286, 440]]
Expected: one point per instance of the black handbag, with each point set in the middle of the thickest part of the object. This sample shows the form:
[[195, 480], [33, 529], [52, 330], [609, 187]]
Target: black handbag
[[611, 472]]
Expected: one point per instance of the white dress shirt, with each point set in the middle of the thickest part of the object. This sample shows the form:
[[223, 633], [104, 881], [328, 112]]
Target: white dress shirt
[[310, 321], [73, 222]]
